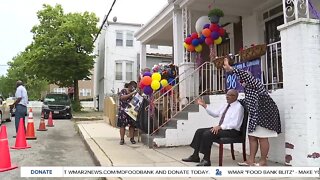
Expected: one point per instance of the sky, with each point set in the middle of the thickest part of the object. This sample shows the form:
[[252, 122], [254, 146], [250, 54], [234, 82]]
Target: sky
[[17, 17]]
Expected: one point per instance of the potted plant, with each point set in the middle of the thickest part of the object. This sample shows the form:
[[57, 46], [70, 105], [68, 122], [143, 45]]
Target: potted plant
[[215, 14]]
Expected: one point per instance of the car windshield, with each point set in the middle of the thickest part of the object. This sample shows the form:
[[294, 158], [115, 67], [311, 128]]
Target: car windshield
[[56, 98]]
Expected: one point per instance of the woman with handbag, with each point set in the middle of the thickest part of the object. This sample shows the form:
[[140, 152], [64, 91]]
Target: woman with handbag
[[264, 118]]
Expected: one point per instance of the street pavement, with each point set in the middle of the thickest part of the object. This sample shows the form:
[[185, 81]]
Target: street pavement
[[61, 145], [103, 141]]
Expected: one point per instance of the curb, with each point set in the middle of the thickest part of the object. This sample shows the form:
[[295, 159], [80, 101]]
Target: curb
[[95, 149], [75, 118]]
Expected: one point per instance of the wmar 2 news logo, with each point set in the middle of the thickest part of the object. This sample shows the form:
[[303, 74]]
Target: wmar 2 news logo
[[218, 172]]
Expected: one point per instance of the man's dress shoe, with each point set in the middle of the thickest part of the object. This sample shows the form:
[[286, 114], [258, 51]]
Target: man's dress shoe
[[191, 159], [204, 163]]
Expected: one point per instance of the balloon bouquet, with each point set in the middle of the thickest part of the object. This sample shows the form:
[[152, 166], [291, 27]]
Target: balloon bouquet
[[161, 78], [208, 33]]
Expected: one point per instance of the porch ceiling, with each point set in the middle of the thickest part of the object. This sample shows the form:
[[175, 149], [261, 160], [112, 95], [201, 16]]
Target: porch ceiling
[[230, 7], [163, 36], [159, 30]]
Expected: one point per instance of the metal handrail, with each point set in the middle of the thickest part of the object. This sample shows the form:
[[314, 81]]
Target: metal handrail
[[168, 96]]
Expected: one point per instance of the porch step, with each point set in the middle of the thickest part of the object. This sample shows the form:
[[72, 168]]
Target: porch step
[[162, 131], [182, 115], [172, 123], [206, 99], [144, 139], [192, 108]]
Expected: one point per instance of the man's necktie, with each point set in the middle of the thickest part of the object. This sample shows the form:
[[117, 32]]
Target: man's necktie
[[223, 115]]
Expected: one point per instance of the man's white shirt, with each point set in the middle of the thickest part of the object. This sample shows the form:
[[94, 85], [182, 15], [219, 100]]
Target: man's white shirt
[[233, 118], [21, 92]]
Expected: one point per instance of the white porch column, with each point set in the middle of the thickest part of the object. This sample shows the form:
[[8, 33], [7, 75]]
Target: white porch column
[[300, 45], [143, 57], [177, 36]]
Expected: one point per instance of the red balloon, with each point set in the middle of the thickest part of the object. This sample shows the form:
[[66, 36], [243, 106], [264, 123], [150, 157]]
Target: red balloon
[[214, 27], [188, 40], [141, 86], [208, 41], [168, 87], [222, 32], [194, 35], [146, 80], [206, 32], [190, 48]]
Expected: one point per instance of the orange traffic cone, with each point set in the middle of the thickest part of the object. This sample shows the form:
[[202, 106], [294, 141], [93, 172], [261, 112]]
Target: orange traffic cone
[[30, 128], [21, 142], [42, 125], [5, 160], [50, 120]]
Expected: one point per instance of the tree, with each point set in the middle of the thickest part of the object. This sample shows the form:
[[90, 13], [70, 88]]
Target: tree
[[63, 46], [20, 70]]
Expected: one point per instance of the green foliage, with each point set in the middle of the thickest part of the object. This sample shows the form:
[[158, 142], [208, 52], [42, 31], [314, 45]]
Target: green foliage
[[19, 70], [7, 86], [63, 46], [76, 106], [217, 12], [61, 53]]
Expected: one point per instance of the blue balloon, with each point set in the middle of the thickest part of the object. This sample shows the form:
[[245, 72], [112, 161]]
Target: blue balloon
[[214, 35], [201, 40], [171, 81], [147, 90], [195, 42], [206, 26], [147, 74]]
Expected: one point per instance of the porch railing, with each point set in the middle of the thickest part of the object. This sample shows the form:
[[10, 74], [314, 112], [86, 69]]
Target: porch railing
[[164, 107], [295, 9], [271, 66], [207, 79]]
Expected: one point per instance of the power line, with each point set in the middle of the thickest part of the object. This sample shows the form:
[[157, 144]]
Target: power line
[[104, 21]]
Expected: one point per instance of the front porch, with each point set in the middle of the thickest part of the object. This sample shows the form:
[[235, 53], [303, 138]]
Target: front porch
[[247, 22]]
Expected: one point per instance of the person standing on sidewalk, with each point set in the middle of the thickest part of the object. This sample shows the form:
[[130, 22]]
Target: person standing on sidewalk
[[264, 118], [231, 117], [124, 119], [20, 104]]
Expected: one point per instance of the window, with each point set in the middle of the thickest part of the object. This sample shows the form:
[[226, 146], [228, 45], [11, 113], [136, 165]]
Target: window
[[59, 90], [154, 46], [119, 38], [119, 71], [129, 41], [85, 92], [129, 71], [88, 92], [124, 70]]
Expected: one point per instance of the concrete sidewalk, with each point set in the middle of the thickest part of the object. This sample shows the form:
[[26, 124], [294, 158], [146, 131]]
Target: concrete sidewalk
[[103, 141]]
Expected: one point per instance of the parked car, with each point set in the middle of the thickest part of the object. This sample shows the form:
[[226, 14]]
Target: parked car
[[5, 112], [59, 104]]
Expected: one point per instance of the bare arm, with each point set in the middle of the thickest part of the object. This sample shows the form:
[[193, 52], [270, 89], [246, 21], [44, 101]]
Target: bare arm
[[209, 111], [127, 96], [243, 75]]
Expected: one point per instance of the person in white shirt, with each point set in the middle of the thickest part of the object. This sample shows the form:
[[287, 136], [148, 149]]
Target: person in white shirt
[[231, 117], [20, 104]]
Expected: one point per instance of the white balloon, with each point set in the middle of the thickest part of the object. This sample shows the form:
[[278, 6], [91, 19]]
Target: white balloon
[[203, 20]]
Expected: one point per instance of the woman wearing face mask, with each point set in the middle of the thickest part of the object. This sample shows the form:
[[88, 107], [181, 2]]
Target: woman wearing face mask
[[124, 119], [264, 119]]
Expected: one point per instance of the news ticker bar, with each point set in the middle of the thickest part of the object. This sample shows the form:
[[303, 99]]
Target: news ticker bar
[[274, 171]]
